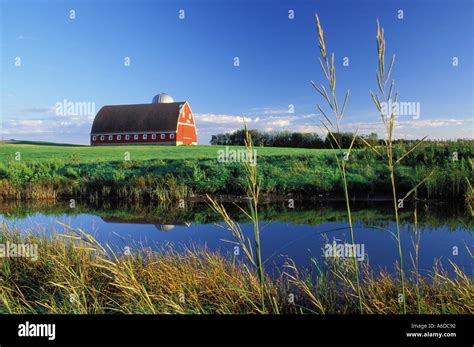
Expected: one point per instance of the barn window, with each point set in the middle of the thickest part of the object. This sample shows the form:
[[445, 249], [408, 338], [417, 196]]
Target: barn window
[[111, 137], [163, 136], [153, 137], [102, 138], [171, 136], [94, 138], [127, 137], [144, 136], [119, 137], [135, 137], [189, 116]]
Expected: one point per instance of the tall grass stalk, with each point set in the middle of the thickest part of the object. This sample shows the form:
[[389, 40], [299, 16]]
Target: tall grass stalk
[[415, 259], [252, 188], [253, 192], [334, 133], [388, 120]]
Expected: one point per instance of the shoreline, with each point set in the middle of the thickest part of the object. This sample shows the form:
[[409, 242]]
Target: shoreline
[[283, 173], [218, 285], [225, 198]]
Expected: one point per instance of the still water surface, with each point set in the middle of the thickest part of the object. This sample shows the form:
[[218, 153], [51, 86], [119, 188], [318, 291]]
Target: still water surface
[[446, 229]]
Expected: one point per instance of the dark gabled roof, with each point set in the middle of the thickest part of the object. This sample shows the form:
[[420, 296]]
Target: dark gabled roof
[[137, 118]]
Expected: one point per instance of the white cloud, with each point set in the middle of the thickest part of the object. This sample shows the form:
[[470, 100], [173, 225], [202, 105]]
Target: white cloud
[[412, 123], [29, 122], [23, 37], [23, 126], [271, 110], [445, 128], [275, 111], [431, 122], [309, 129], [279, 122], [221, 118], [41, 110], [30, 128]]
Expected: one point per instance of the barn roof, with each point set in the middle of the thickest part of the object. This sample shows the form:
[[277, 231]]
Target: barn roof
[[137, 118]]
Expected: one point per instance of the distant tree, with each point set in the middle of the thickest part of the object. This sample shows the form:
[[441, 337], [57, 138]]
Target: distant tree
[[297, 140], [344, 138], [371, 139], [282, 139], [220, 139]]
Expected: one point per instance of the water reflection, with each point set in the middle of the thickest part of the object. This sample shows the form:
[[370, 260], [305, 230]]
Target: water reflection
[[160, 227], [298, 233]]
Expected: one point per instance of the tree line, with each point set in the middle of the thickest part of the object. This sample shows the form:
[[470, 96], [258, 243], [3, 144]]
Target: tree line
[[289, 139]]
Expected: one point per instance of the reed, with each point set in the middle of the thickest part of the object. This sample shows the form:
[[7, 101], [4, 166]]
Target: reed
[[74, 274], [334, 134], [252, 183], [415, 258], [328, 288], [386, 91]]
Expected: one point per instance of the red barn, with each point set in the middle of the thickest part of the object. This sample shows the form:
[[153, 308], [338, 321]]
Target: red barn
[[163, 122]]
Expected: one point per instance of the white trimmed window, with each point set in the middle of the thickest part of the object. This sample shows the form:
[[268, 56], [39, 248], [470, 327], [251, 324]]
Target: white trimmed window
[[189, 116], [135, 137], [119, 137], [94, 138], [127, 137], [102, 138], [145, 136], [171, 136], [153, 137], [163, 136], [111, 137]]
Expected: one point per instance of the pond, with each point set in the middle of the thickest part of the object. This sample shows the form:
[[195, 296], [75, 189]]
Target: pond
[[301, 233]]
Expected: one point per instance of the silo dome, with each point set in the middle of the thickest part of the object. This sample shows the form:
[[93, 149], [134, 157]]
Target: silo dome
[[162, 98]]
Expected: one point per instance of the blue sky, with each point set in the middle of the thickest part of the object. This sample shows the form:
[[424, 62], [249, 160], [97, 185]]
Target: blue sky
[[82, 60]]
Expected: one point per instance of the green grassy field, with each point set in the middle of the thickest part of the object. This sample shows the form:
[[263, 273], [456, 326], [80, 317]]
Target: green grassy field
[[77, 153], [49, 171]]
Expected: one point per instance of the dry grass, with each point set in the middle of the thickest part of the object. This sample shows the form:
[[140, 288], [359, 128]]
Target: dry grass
[[436, 293], [74, 274], [33, 191]]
